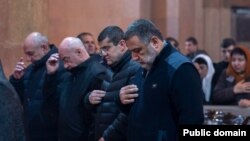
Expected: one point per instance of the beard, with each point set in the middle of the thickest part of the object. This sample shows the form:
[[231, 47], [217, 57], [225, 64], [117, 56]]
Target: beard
[[149, 58]]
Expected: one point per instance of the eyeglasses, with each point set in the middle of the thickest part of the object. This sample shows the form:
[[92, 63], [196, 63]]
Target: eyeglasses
[[104, 50]]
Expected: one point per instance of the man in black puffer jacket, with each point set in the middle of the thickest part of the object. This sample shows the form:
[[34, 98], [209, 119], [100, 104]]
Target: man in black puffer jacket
[[109, 123], [40, 108], [85, 75]]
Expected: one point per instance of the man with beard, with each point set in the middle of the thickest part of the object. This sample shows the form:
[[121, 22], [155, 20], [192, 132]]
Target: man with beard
[[166, 91]]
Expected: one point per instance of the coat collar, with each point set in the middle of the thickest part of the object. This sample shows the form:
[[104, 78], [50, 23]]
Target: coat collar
[[43, 60], [119, 65], [82, 66]]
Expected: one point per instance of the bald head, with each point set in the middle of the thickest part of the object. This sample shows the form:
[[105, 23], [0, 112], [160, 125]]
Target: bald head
[[72, 43], [72, 52], [35, 46], [35, 39]]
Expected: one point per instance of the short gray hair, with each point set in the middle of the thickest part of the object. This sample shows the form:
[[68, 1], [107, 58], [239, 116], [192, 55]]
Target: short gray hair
[[144, 30]]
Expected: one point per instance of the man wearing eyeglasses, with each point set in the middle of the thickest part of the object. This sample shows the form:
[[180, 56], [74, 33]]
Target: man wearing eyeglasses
[[109, 123]]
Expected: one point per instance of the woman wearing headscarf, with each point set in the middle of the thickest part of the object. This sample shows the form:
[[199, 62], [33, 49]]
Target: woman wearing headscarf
[[233, 87], [205, 67]]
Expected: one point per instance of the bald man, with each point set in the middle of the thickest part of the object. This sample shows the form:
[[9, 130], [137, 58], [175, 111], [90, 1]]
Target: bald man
[[40, 112], [86, 75]]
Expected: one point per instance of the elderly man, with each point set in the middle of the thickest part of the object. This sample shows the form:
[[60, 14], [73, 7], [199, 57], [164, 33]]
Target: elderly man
[[86, 74], [162, 95], [40, 110]]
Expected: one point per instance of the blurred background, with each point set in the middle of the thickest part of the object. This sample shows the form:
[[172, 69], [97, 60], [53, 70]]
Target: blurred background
[[209, 21]]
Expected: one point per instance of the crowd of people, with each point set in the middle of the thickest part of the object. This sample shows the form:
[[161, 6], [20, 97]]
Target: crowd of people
[[137, 86], [225, 82]]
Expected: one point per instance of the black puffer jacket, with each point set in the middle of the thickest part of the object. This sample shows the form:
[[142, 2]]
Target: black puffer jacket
[[40, 109], [109, 122], [74, 118]]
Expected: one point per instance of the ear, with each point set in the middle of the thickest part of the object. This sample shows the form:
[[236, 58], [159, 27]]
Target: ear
[[45, 47], [123, 45], [155, 43]]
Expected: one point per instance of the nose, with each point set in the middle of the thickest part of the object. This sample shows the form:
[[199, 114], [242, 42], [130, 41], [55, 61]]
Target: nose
[[28, 58], [135, 56], [92, 45], [237, 63], [103, 53], [66, 66]]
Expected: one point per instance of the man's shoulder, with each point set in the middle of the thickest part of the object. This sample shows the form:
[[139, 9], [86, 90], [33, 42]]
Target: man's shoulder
[[129, 69], [133, 66], [176, 59], [220, 66], [99, 70], [173, 63]]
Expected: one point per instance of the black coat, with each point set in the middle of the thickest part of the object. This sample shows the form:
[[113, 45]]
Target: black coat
[[40, 112], [11, 112], [170, 94], [223, 91], [219, 68], [74, 119], [109, 122]]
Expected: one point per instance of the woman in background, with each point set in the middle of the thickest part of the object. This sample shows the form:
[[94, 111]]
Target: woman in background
[[233, 87], [204, 65]]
